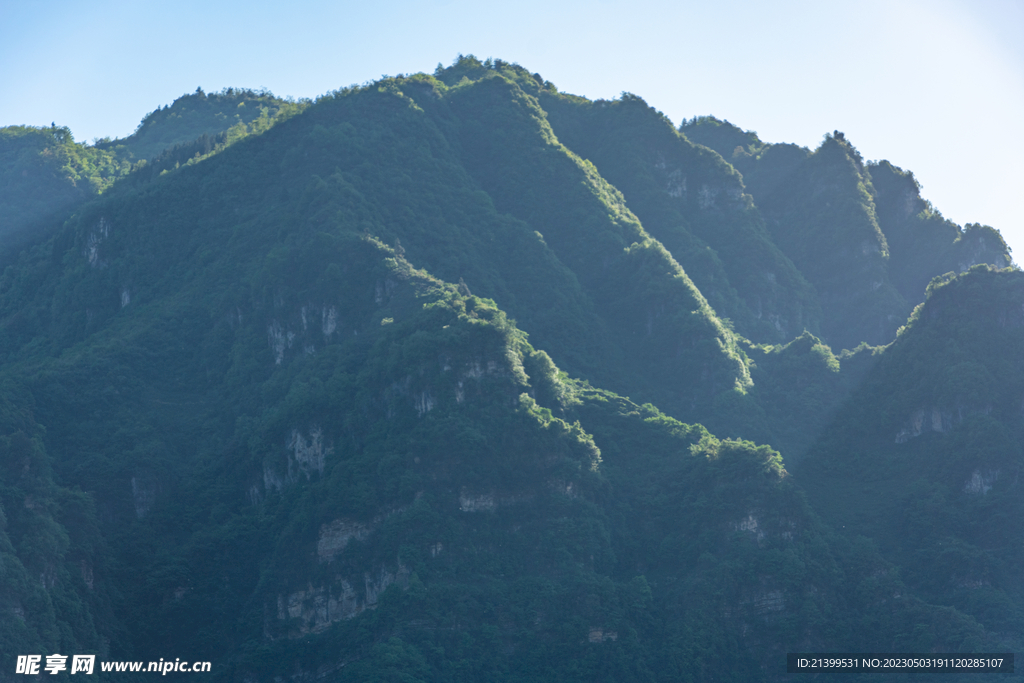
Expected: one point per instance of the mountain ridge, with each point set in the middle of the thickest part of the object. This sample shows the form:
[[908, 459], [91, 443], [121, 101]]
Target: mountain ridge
[[347, 397]]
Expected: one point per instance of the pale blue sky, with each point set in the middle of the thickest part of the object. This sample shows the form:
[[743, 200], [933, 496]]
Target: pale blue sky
[[934, 86]]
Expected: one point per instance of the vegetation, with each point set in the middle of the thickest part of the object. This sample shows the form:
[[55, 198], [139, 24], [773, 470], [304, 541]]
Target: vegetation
[[695, 203], [860, 233], [933, 479], [439, 378], [44, 173], [235, 111]]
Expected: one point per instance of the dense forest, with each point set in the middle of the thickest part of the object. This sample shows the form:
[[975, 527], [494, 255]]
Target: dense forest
[[459, 377]]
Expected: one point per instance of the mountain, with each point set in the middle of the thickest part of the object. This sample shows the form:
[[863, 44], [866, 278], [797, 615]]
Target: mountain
[[234, 111], [44, 173], [870, 251], [414, 382], [925, 456], [695, 204]]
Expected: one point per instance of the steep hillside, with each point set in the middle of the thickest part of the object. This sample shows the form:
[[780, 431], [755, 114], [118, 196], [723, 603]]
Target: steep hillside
[[694, 203], [823, 218], [925, 456], [343, 395], [202, 114], [923, 244], [45, 174], [51, 549], [860, 233], [215, 344], [334, 466]]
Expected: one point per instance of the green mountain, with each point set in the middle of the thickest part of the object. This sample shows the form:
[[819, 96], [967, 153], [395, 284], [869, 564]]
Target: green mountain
[[44, 173], [233, 111], [695, 203], [922, 242], [924, 458], [431, 380], [860, 233]]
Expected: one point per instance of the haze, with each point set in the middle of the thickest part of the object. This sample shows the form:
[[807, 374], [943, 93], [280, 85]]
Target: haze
[[937, 87]]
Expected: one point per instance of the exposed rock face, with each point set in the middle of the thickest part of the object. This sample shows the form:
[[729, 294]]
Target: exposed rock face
[[271, 480], [330, 320], [314, 609], [279, 340], [600, 635], [424, 403], [750, 524], [981, 481], [384, 289], [476, 503], [307, 456], [935, 420], [97, 236], [924, 420], [481, 502], [87, 575], [776, 528], [768, 602], [979, 246], [299, 329], [336, 535]]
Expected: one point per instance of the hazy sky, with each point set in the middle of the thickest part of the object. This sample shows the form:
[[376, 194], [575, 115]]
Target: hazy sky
[[934, 86]]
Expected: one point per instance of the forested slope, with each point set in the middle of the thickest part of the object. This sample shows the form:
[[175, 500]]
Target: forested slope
[[45, 173], [694, 203], [925, 457], [859, 232], [344, 396]]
